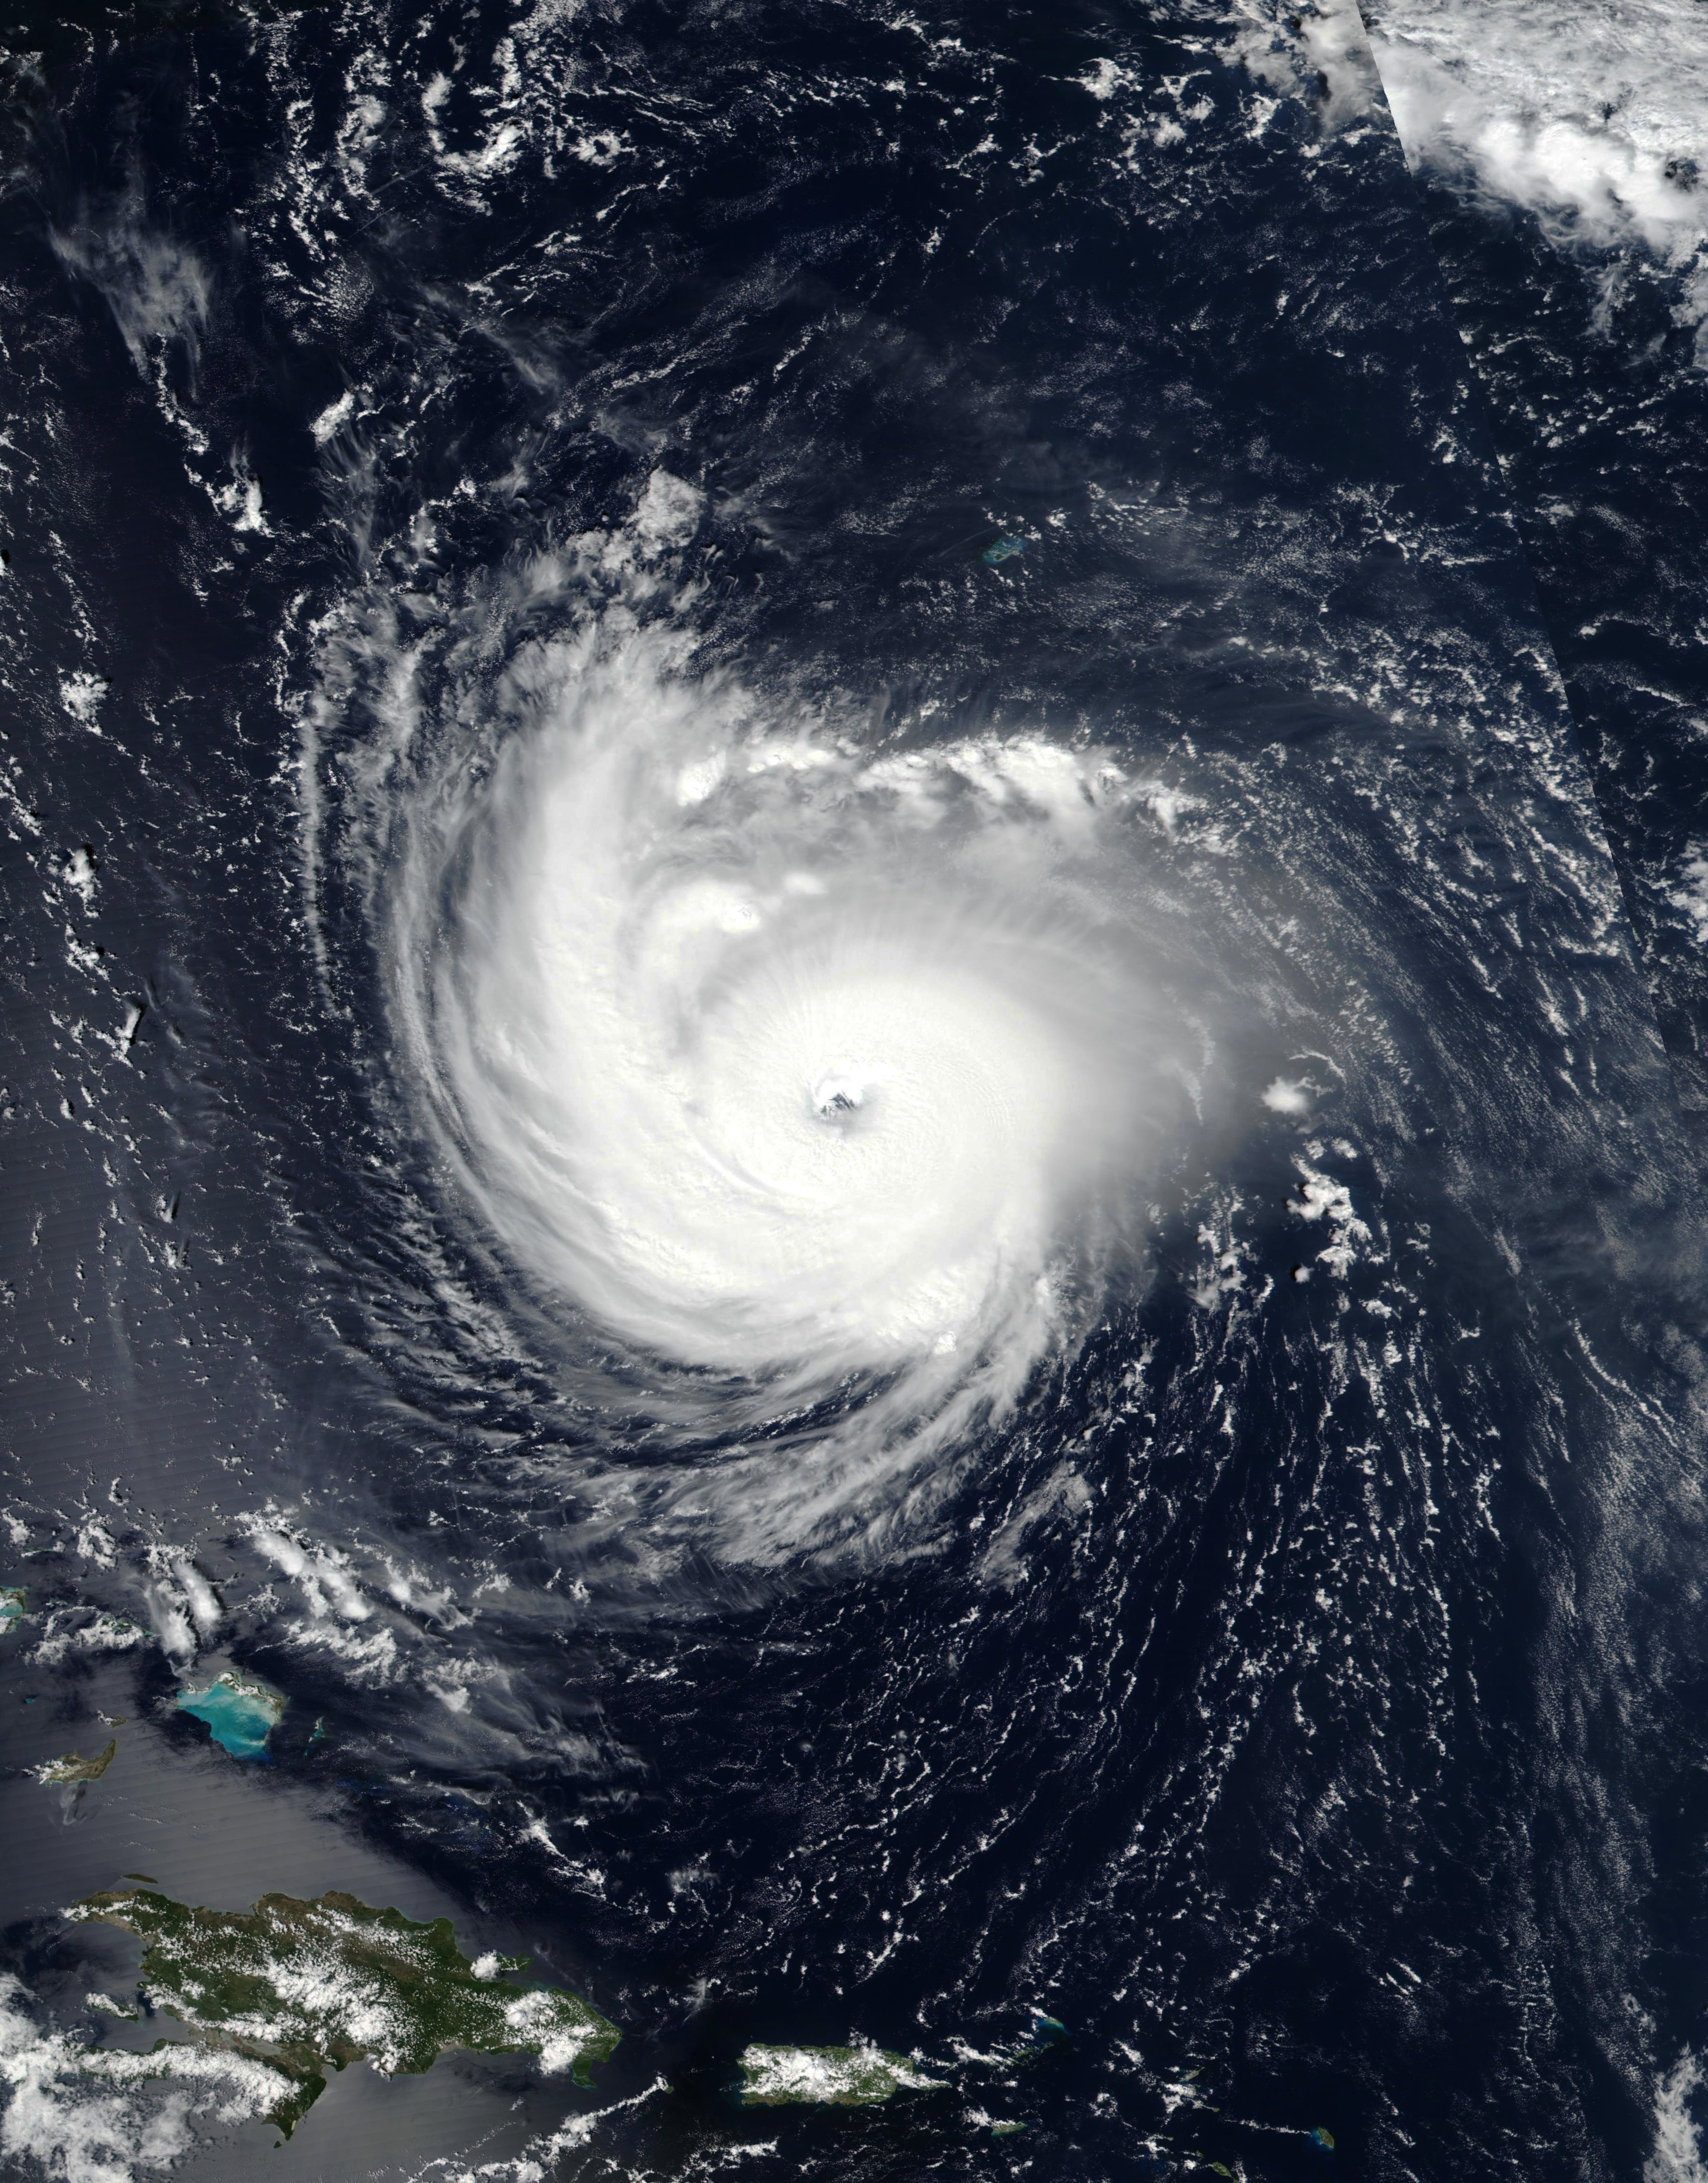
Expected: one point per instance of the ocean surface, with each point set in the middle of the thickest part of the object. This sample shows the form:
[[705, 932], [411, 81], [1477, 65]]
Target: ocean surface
[[854, 1067]]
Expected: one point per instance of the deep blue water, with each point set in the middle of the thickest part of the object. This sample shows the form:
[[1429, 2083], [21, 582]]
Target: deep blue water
[[1600, 427], [1297, 1687]]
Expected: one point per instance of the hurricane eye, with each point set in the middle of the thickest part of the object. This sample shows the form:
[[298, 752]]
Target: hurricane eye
[[839, 1093]]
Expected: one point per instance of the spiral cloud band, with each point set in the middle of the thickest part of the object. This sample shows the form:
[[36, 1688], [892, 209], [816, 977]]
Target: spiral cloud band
[[826, 1072]]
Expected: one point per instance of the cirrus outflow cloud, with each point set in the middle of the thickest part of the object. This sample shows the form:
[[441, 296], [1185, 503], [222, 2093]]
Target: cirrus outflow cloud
[[1592, 121]]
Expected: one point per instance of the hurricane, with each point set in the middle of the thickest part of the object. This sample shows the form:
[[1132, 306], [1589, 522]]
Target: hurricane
[[852, 1291], [796, 1081], [773, 1060]]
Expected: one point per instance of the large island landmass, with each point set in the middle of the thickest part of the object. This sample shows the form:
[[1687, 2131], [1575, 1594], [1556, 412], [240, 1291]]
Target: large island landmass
[[301, 1986], [833, 2076]]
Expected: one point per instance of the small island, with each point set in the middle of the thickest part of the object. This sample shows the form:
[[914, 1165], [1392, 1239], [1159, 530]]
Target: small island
[[11, 1598], [834, 2076], [71, 1768], [305, 1985]]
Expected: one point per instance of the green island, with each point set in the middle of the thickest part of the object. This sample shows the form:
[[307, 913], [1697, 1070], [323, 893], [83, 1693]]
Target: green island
[[71, 1768], [12, 1598], [302, 1986], [835, 2076]]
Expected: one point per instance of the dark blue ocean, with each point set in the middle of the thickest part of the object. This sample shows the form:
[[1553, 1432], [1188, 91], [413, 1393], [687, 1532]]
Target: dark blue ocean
[[1178, 1601]]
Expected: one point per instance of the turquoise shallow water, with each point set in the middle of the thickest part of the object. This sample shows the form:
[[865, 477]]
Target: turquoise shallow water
[[240, 1718]]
